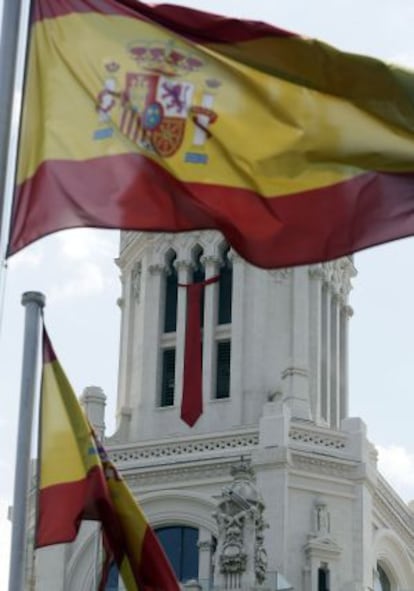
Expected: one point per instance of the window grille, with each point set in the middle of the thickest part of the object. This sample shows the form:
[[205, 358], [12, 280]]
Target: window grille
[[223, 369], [171, 290], [180, 545], [225, 290], [168, 377]]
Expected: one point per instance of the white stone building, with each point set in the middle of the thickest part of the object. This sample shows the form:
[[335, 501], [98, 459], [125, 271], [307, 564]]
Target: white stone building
[[275, 402]]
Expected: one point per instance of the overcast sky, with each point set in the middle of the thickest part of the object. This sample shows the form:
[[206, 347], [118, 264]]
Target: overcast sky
[[75, 270]]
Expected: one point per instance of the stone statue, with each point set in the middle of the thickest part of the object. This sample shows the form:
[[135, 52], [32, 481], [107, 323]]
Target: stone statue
[[322, 519]]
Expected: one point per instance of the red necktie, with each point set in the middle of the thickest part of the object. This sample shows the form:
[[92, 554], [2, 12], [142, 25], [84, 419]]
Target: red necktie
[[192, 400]]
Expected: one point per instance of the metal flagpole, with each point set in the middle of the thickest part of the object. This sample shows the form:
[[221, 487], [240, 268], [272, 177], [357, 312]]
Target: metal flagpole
[[13, 46], [9, 41], [34, 302]]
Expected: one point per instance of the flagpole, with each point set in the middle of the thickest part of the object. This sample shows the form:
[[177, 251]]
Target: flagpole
[[13, 45], [8, 53], [34, 303]]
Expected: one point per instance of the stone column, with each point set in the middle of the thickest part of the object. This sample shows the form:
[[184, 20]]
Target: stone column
[[237, 336], [315, 339], [125, 351], [184, 268], [296, 375], [325, 352], [205, 550], [149, 346], [346, 313], [211, 265], [335, 357]]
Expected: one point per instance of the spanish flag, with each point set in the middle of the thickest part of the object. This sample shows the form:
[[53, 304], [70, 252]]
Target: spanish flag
[[78, 481], [164, 118]]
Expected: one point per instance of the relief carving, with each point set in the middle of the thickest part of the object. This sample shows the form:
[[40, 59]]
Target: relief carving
[[241, 558]]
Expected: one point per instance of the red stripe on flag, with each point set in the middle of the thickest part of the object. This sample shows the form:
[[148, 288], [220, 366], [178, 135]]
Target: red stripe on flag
[[154, 566], [62, 507], [197, 25], [131, 192], [49, 354]]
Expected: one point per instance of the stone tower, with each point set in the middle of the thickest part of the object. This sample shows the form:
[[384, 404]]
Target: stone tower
[[285, 335]]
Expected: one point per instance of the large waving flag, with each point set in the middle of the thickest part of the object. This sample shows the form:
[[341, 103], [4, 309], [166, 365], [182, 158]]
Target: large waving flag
[[78, 481], [166, 118]]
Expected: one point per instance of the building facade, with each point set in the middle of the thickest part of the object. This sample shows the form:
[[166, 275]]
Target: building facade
[[274, 438]]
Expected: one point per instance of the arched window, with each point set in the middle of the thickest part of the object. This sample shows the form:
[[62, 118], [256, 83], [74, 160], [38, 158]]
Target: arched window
[[225, 288], [224, 317], [180, 545], [382, 582], [171, 289], [166, 397]]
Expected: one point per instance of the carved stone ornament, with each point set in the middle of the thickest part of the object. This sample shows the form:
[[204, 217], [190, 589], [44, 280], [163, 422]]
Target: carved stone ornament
[[241, 558], [338, 275], [136, 275], [280, 275]]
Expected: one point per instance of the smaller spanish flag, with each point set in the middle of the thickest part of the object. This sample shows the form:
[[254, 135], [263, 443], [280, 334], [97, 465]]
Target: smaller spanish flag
[[78, 481]]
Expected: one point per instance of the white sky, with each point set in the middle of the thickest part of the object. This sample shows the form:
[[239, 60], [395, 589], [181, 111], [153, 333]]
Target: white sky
[[75, 270]]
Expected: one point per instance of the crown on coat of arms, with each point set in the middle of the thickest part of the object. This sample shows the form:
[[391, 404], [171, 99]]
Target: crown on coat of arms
[[164, 59], [111, 66]]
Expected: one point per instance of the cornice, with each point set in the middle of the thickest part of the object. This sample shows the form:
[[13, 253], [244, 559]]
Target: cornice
[[313, 437], [326, 466], [163, 451], [395, 513], [177, 475]]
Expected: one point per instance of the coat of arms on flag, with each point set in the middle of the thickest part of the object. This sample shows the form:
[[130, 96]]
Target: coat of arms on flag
[[156, 101]]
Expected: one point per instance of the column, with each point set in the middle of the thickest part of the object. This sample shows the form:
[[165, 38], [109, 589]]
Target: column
[[124, 303], [296, 375], [237, 337], [127, 305], [315, 339], [149, 347], [205, 550], [325, 352], [211, 265], [335, 356], [184, 268], [346, 313]]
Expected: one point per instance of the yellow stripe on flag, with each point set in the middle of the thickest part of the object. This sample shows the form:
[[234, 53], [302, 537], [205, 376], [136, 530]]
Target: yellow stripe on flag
[[66, 447], [158, 118], [310, 140]]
